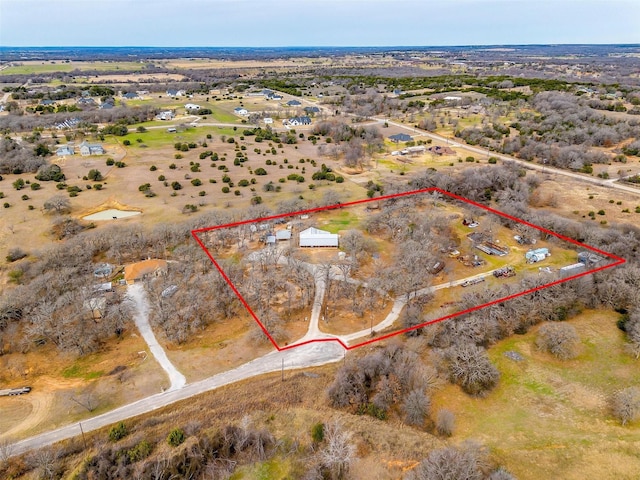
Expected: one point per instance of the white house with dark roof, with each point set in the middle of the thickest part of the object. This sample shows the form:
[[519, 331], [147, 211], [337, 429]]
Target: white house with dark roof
[[296, 121], [241, 111]]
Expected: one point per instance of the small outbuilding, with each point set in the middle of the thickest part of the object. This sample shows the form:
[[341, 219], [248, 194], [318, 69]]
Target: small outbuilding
[[588, 258], [537, 255], [314, 237], [571, 270], [283, 235]]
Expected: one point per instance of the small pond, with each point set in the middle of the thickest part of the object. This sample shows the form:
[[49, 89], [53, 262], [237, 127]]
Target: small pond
[[111, 214]]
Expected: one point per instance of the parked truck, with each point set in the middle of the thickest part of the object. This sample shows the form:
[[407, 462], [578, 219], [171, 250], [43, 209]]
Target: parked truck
[[9, 392]]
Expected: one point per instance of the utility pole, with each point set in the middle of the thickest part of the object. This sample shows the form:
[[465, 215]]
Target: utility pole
[[84, 440]]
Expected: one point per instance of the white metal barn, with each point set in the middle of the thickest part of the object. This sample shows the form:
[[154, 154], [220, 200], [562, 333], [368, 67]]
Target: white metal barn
[[314, 237]]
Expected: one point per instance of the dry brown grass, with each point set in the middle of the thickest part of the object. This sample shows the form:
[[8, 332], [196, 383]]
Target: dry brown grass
[[576, 199], [55, 378]]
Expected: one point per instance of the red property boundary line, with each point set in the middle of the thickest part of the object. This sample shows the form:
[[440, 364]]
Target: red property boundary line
[[195, 233]]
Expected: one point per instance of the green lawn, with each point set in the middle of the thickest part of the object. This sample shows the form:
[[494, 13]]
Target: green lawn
[[160, 137], [338, 221], [68, 67], [274, 469], [549, 418]]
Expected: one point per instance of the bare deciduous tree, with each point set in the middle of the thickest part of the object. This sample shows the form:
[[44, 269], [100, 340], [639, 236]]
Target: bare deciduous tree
[[416, 407], [470, 367], [559, 339], [58, 204], [338, 453], [468, 462], [625, 405], [445, 422]]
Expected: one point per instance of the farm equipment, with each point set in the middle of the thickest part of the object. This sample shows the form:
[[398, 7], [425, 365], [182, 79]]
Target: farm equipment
[[472, 281], [504, 272]]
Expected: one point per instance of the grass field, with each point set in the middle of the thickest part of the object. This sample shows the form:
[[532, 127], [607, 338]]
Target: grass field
[[35, 67], [546, 419], [549, 418]]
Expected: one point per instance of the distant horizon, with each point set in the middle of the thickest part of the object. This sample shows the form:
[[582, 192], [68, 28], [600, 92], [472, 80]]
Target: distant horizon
[[320, 47], [338, 23]]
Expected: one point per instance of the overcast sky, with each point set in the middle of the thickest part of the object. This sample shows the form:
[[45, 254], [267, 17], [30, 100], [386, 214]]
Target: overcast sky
[[258, 23]]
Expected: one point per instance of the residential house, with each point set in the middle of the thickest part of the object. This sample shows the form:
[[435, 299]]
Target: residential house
[[297, 121], [64, 150], [311, 109], [192, 106], [267, 120], [166, 115], [314, 237], [440, 150], [241, 111], [294, 103], [91, 149], [400, 137], [137, 272], [86, 102], [130, 95], [176, 93]]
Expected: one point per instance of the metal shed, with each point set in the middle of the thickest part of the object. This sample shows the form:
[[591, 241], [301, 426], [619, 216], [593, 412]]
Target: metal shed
[[314, 237]]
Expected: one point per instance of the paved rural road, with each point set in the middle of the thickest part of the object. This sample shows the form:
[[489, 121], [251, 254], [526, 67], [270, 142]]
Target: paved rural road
[[138, 296], [310, 355], [507, 158]]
